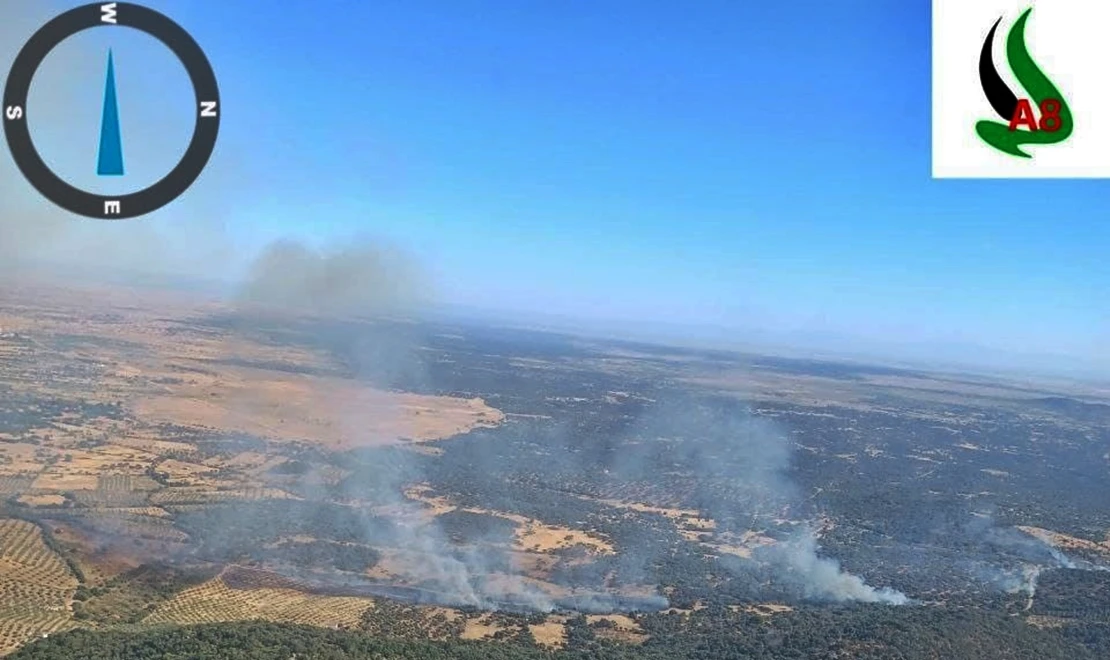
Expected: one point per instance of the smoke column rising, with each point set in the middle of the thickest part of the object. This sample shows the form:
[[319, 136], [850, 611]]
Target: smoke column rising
[[358, 284], [822, 578], [739, 464]]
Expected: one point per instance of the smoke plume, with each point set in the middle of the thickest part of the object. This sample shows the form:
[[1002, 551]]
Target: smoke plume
[[1019, 558], [739, 465], [796, 561], [361, 278], [354, 287]]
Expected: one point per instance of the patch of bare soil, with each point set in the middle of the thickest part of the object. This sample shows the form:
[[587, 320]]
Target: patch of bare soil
[[1065, 542], [762, 609], [334, 412], [740, 545], [617, 627], [46, 500], [552, 633], [1046, 621], [482, 627], [689, 522], [531, 535]]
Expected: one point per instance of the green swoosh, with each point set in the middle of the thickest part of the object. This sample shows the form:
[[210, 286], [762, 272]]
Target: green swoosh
[[1038, 85]]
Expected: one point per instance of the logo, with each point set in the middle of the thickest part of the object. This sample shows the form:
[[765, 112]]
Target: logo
[[1019, 126], [1019, 89], [110, 157]]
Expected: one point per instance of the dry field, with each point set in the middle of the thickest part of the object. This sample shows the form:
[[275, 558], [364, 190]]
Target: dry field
[[762, 609], [36, 586], [482, 627], [257, 595], [536, 540], [531, 535], [533, 551], [214, 601], [336, 413], [617, 628], [1065, 542], [740, 545], [146, 354], [552, 633], [141, 350]]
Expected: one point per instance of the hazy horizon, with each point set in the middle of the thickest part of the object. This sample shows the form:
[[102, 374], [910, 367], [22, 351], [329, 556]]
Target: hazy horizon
[[937, 357], [599, 171]]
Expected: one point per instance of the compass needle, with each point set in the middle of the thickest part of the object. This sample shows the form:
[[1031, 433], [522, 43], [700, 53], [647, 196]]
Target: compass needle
[[110, 160]]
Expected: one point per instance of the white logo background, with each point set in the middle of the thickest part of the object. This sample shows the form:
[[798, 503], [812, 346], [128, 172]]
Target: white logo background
[[1070, 42]]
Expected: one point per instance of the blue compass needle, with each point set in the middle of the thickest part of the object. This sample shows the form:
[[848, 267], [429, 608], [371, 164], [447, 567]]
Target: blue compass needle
[[110, 160]]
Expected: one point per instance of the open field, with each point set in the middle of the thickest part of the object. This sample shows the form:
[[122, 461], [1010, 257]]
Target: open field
[[617, 627], [1066, 542], [337, 413], [164, 373], [36, 586], [214, 601], [114, 392]]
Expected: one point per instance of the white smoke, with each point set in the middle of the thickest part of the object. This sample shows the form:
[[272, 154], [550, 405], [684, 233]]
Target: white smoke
[[1022, 579], [822, 578], [1034, 556], [726, 447]]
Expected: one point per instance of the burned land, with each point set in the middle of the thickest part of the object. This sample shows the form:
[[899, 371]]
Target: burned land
[[421, 489]]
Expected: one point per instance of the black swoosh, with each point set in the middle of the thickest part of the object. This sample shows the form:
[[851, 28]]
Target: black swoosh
[[1001, 98]]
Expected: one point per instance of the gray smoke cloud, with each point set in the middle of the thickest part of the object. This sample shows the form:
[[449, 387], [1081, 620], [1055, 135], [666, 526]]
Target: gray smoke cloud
[[360, 278], [364, 287]]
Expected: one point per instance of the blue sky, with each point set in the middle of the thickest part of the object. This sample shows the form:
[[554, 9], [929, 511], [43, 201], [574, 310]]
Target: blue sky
[[744, 165]]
